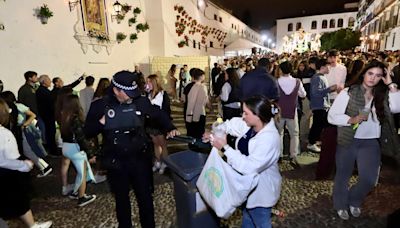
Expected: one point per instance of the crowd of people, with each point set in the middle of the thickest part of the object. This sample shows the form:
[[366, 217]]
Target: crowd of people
[[119, 130]]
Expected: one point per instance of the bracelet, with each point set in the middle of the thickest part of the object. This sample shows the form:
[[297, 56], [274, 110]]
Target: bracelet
[[390, 83]]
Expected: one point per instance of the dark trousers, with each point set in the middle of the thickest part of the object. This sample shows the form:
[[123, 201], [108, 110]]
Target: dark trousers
[[326, 163], [366, 154], [229, 113], [138, 174], [196, 129], [50, 133], [320, 121]]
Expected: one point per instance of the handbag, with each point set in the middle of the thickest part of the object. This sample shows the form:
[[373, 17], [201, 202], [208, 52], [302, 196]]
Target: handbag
[[223, 188]]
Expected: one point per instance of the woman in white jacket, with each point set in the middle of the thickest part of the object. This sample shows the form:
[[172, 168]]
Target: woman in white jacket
[[257, 150], [362, 113]]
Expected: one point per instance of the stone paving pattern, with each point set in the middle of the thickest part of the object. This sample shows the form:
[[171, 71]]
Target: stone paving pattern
[[305, 202]]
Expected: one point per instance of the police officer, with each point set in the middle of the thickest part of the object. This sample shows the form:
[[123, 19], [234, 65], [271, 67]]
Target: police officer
[[120, 117]]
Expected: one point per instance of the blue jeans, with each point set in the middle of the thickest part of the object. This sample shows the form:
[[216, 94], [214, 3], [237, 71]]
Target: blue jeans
[[259, 217]]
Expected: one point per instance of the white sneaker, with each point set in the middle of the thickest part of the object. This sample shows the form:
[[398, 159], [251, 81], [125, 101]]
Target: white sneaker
[[100, 178], [46, 224], [156, 166], [355, 211], [343, 214], [313, 147], [162, 168], [66, 190], [45, 172]]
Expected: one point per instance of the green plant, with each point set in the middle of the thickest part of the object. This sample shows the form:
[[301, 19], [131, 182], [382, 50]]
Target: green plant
[[126, 8], [137, 10], [133, 37], [343, 39], [44, 11], [142, 27], [120, 37], [120, 17], [132, 21]]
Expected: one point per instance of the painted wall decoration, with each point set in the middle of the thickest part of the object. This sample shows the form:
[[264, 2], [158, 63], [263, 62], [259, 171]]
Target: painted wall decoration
[[188, 26], [94, 14]]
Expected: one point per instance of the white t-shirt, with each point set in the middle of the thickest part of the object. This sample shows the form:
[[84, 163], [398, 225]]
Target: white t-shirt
[[9, 152], [337, 76], [158, 99]]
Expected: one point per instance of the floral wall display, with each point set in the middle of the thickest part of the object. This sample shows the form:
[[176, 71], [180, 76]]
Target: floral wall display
[[132, 22], [188, 26]]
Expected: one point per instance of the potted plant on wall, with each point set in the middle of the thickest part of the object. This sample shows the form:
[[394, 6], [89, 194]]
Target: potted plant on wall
[[44, 13], [133, 37], [131, 21], [120, 37]]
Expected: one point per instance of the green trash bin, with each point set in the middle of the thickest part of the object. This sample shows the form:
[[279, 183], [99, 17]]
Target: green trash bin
[[191, 211]]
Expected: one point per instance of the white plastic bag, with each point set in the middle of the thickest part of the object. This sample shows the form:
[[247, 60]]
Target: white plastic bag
[[223, 188]]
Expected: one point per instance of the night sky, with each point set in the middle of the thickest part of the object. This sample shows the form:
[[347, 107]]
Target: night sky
[[263, 13]]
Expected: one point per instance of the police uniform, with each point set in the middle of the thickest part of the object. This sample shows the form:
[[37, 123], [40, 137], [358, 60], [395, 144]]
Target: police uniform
[[126, 153]]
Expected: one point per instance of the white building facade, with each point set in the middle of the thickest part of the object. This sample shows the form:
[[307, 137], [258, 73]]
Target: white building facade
[[63, 47], [379, 23], [302, 33]]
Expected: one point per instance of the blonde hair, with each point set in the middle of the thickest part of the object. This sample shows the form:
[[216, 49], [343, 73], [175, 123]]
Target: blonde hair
[[155, 81]]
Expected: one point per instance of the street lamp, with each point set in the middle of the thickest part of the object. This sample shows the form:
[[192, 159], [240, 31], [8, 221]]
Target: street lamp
[[117, 9]]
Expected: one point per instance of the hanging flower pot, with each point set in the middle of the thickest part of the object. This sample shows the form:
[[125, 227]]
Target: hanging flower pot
[[44, 13], [44, 20]]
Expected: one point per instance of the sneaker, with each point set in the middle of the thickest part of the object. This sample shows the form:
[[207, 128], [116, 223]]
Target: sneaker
[[355, 211], [73, 195], [156, 166], [45, 172], [85, 200], [100, 178], [162, 168], [294, 163], [66, 190], [313, 148], [46, 224], [343, 214]]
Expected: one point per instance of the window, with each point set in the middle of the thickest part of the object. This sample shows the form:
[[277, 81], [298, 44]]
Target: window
[[340, 23], [290, 27], [232, 25], [394, 39], [199, 45], [211, 44], [215, 17], [324, 24], [298, 26], [314, 25], [351, 21], [332, 23], [220, 19], [194, 44]]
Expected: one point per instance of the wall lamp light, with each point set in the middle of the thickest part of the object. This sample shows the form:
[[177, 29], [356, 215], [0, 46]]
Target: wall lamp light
[[117, 9], [72, 4]]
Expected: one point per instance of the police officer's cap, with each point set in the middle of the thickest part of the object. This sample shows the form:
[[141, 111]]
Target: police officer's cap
[[126, 81]]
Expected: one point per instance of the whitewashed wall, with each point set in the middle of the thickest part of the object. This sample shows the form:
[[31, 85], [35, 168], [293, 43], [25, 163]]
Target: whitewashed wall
[[51, 49]]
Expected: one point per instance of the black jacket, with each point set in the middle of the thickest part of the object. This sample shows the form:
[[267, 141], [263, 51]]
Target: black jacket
[[258, 82]]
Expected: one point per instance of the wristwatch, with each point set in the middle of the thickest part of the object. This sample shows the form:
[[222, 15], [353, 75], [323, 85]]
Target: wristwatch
[[224, 148]]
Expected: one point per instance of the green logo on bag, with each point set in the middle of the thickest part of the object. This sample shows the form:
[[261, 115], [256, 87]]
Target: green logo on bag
[[214, 181]]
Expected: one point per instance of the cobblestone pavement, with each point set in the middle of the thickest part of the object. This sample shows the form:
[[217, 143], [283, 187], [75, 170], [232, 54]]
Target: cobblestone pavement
[[305, 202]]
